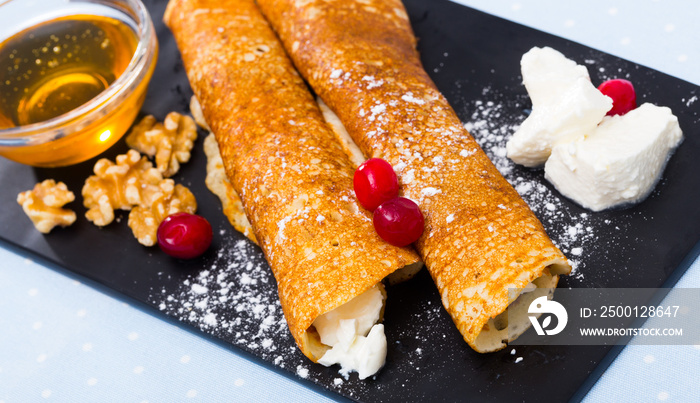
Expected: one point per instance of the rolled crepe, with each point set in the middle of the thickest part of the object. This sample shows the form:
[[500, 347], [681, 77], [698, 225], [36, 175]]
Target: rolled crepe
[[293, 178], [480, 239]]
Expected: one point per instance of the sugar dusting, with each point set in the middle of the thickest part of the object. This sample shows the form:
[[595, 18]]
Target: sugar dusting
[[231, 300]]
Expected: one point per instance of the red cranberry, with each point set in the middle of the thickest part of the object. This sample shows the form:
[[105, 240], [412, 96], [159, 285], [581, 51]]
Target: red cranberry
[[399, 221], [375, 182], [622, 93], [184, 235]]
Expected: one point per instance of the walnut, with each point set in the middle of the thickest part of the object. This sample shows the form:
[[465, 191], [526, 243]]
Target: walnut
[[169, 142], [134, 184], [122, 185], [145, 219], [44, 205]]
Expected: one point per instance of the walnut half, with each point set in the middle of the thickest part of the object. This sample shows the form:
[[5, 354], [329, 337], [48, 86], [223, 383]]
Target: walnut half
[[44, 205], [144, 220], [169, 142], [134, 184], [120, 185]]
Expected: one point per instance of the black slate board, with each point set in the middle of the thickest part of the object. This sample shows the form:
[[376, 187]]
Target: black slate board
[[465, 51]]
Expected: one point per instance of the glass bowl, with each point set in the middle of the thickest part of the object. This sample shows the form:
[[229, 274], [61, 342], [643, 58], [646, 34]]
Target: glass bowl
[[90, 128]]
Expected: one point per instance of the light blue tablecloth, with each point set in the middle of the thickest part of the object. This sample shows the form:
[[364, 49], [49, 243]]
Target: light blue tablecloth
[[64, 341]]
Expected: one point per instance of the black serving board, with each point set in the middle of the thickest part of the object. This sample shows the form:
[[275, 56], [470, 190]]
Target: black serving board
[[471, 56]]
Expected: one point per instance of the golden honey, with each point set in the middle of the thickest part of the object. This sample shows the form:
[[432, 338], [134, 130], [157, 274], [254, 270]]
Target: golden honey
[[53, 68]]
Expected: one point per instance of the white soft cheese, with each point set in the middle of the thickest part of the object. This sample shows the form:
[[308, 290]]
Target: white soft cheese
[[565, 106], [357, 342], [617, 163], [548, 73]]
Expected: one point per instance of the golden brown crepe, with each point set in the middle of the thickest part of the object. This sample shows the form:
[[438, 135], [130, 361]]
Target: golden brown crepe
[[283, 161], [480, 237]]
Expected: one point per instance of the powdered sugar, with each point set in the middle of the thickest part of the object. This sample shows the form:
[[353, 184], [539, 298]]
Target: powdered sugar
[[408, 97], [302, 371], [231, 299], [372, 82], [430, 191], [336, 73], [465, 153], [377, 109]]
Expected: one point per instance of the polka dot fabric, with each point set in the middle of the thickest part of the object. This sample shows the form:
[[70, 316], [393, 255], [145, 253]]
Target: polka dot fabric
[[66, 341], [659, 34]]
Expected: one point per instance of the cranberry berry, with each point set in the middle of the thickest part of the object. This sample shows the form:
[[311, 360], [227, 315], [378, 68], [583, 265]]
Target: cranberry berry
[[375, 182], [399, 221], [184, 236], [622, 93]]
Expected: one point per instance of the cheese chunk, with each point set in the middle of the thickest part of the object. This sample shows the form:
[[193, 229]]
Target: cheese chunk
[[572, 114], [565, 106], [357, 342], [617, 163], [547, 74]]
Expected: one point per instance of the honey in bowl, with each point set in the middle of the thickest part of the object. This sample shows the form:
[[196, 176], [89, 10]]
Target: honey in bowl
[[55, 67], [71, 86]]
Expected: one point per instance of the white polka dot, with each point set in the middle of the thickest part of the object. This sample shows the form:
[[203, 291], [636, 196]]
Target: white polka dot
[[37, 325], [191, 393], [92, 381], [662, 396], [649, 359], [138, 370], [185, 359], [669, 27], [516, 6], [238, 382], [46, 393], [682, 58], [684, 310], [32, 292], [28, 261], [87, 347], [625, 41], [81, 313], [76, 282], [133, 336], [612, 11], [569, 23], [41, 358]]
